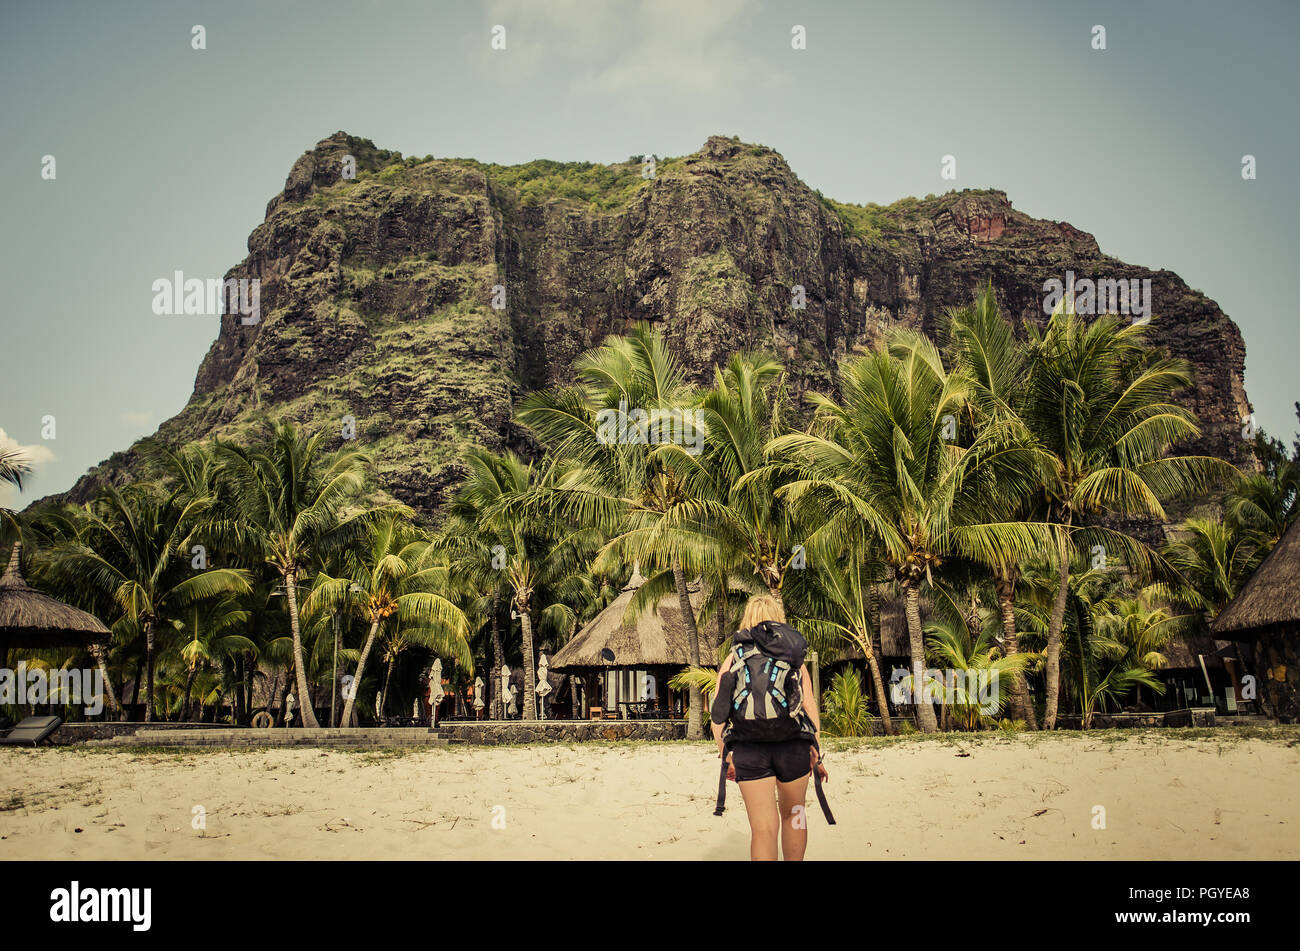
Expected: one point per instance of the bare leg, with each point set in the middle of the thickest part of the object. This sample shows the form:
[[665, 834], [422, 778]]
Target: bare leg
[[764, 821], [794, 818]]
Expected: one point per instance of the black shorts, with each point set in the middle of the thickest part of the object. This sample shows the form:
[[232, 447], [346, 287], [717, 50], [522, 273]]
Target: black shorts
[[787, 760]]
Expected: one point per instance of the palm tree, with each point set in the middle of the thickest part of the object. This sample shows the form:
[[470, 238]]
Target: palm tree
[[725, 518], [603, 432], [1211, 560], [883, 465], [476, 545], [836, 601], [14, 464], [978, 664], [43, 528], [727, 514], [544, 563], [1099, 402], [502, 541], [395, 584], [1112, 641], [1266, 503], [136, 550], [983, 345], [267, 623], [287, 502], [212, 641]]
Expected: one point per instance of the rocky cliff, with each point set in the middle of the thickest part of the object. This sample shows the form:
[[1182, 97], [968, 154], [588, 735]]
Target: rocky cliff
[[377, 292]]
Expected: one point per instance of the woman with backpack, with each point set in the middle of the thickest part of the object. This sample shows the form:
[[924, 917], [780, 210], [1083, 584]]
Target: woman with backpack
[[767, 736]]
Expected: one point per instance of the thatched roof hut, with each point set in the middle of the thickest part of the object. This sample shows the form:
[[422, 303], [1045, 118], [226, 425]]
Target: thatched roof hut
[[34, 620], [655, 639], [624, 664], [1265, 615], [1186, 651], [1271, 596]]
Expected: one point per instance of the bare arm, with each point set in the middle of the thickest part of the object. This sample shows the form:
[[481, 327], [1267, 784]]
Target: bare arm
[[809, 701], [717, 685]]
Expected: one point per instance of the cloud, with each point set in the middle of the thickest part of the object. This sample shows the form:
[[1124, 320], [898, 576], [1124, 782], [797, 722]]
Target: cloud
[[629, 47], [37, 454], [137, 417]]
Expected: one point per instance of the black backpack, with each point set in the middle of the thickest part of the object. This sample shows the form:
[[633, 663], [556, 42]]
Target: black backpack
[[767, 661]]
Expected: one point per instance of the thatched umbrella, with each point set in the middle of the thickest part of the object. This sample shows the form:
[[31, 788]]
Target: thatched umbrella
[[37, 621]]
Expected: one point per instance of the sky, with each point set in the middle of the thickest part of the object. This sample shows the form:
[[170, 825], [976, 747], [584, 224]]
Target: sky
[[165, 155]]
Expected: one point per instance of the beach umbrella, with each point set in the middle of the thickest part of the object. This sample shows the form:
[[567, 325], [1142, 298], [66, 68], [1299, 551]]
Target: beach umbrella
[[478, 694], [34, 620], [436, 692], [543, 686], [505, 687]]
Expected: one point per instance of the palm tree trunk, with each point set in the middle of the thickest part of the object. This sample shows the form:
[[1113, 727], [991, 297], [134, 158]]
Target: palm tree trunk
[[275, 688], [148, 670], [135, 688], [873, 614], [878, 685], [334, 669], [878, 651], [530, 670], [361, 667], [238, 702], [189, 688], [249, 665], [1054, 628], [100, 654], [920, 696], [694, 721], [1022, 708], [304, 696], [383, 692], [497, 710]]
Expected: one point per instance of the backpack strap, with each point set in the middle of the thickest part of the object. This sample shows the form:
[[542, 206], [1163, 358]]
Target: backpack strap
[[722, 782], [821, 795]]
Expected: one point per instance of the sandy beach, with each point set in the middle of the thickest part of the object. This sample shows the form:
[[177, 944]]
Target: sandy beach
[[1186, 795]]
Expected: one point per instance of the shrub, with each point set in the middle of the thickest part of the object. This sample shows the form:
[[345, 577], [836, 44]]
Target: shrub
[[847, 713]]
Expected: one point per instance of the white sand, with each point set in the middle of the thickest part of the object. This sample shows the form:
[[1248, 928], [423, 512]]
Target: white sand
[[1031, 796]]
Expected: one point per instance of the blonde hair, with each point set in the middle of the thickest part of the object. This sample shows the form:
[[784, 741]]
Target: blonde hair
[[760, 608]]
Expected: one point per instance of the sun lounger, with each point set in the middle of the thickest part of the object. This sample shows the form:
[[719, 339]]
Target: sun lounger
[[31, 731]]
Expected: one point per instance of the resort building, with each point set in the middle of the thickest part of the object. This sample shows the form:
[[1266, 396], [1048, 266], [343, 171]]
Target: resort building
[[1264, 619]]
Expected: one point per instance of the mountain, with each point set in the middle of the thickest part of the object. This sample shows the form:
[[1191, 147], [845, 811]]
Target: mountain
[[377, 292]]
